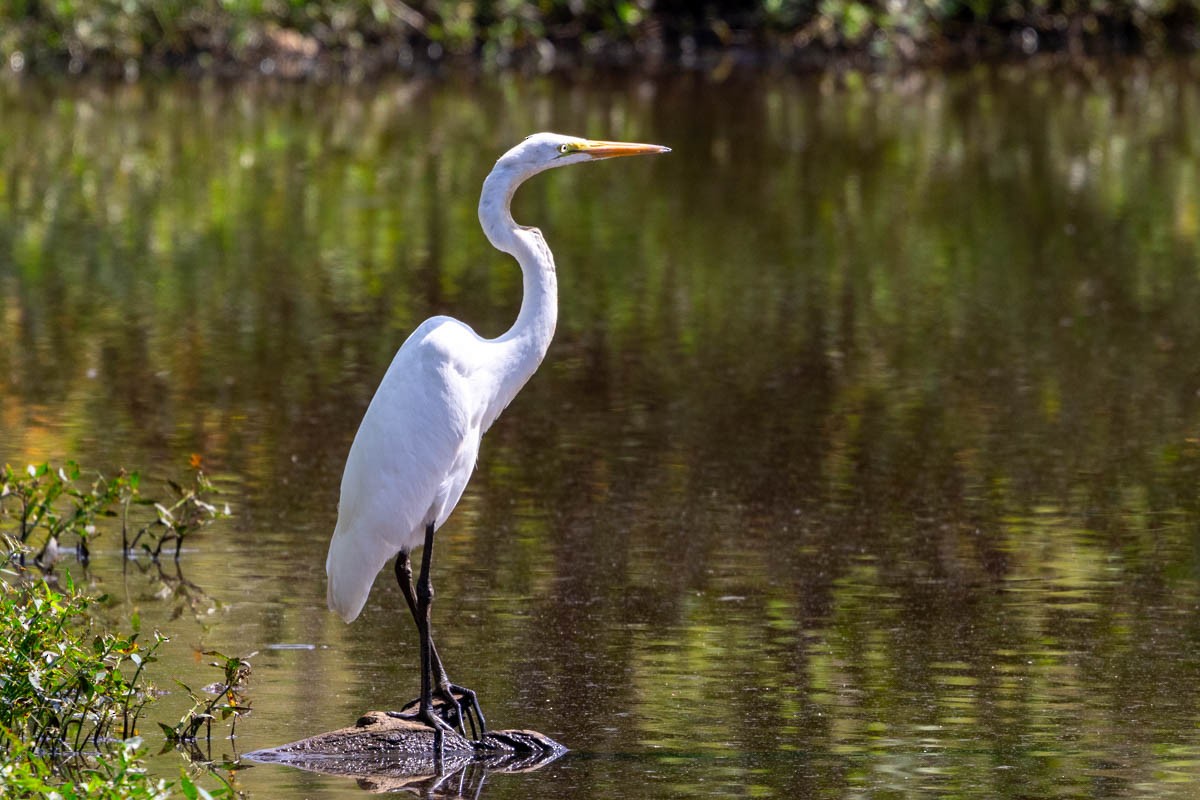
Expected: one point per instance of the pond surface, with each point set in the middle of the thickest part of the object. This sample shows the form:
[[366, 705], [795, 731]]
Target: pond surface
[[865, 461]]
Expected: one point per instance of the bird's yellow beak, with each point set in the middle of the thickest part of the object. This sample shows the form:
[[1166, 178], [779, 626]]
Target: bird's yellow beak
[[598, 150]]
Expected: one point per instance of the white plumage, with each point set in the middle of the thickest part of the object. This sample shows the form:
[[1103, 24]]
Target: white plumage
[[417, 444]]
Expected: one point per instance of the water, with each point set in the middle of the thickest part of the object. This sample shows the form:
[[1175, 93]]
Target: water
[[865, 459]]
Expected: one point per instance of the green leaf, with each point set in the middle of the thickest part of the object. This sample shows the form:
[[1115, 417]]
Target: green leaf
[[187, 787]]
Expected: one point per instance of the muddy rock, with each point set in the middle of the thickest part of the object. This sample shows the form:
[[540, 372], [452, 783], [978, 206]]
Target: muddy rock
[[388, 752]]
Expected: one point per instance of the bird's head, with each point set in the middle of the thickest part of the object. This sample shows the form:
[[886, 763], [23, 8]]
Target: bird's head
[[539, 152], [543, 151]]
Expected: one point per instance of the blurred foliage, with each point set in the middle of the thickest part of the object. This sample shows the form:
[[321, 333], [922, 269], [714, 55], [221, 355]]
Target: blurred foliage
[[295, 37]]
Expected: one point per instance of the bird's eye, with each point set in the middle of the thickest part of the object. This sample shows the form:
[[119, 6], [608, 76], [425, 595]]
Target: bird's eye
[[564, 149]]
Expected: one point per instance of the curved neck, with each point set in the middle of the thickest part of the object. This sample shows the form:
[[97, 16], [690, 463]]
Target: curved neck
[[528, 339]]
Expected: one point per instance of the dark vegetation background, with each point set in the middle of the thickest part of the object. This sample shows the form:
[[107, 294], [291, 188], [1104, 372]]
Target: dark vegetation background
[[302, 37]]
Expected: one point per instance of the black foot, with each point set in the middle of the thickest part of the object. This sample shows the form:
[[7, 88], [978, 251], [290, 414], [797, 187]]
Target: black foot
[[432, 718], [457, 707]]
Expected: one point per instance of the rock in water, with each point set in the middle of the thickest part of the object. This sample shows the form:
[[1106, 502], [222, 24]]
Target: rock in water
[[399, 751]]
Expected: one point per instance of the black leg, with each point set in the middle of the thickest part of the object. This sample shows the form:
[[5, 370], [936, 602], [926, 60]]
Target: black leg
[[449, 692], [424, 601], [404, 578]]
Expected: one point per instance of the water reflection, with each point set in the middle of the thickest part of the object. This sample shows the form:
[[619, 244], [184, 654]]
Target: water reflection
[[865, 457]]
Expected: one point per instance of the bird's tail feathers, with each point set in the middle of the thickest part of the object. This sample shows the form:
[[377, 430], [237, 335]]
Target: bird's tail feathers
[[351, 567]]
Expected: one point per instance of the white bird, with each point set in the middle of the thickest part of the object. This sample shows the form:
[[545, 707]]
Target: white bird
[[418, 441]]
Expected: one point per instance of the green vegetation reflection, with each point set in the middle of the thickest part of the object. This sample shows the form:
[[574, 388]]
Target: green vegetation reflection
[[866, 454]]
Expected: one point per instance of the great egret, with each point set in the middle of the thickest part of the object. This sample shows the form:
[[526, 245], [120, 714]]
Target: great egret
[[417, 444]]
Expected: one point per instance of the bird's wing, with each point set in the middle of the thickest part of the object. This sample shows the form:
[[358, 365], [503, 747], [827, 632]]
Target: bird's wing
[[406, 465]]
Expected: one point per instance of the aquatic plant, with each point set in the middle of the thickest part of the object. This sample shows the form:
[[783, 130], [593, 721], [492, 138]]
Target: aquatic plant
[[50, 507], [225, 700], [188, 511], [57, 510], [71, 695], [25, 773], [65, 684], [71, 690]]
